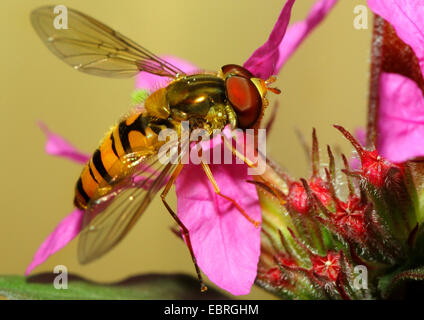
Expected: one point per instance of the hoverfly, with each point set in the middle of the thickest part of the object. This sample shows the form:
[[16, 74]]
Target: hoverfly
[[124, 172]]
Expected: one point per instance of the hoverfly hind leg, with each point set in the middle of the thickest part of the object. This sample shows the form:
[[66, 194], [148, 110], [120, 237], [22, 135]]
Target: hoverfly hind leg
[[185, 231]]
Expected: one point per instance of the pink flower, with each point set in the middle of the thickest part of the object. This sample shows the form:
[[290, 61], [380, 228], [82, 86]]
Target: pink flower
[[225, 243], [66, 230], [58, 146], [401, 109]]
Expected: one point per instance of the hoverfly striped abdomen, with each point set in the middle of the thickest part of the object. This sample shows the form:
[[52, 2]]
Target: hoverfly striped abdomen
[[136, 133]]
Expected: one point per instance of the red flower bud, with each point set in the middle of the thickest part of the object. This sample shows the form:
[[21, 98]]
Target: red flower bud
[[320, 188], [328, 266], [287, 262], [298, 197], [274, 275], [374, 167], [350, 215]]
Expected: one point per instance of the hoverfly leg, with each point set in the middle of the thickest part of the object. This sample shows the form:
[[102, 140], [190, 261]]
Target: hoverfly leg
[[185, 232], [249, 163], [209, 174]]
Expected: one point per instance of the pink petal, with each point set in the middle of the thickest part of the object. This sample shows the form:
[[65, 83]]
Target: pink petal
[[361, 135], [225, 243], [262, 63], [401, 118], [355, 163], [58, 146], [300, 30], [151, 82], [406, 16], [67, 229]]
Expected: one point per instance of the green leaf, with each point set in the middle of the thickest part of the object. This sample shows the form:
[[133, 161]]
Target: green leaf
[[146, 287]]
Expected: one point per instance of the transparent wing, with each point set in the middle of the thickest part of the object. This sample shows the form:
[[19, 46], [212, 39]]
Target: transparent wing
[[111, 216], [92, 47]]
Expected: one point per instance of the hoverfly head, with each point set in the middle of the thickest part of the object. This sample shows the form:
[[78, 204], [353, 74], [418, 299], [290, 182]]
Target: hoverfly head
[[246, 94]]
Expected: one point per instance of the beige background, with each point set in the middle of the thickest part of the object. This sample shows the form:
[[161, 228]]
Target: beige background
[[325, 83]]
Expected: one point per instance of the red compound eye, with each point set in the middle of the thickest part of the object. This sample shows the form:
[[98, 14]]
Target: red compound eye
[[236, 70], [245, 98]]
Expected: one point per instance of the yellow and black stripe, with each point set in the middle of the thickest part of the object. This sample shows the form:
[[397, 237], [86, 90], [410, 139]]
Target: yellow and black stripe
[[138, 131]]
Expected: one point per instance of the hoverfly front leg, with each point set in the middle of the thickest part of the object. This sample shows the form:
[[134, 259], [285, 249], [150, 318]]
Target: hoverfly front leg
[[186, 235], [218, 192], [249, 163]]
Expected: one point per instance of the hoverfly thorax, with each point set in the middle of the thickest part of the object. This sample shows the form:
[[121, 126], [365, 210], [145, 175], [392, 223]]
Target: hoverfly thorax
[[246, 94], [199, 99]]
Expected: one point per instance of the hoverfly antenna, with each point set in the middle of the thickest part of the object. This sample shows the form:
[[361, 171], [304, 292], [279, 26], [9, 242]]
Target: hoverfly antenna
[[263, 85], [270, 80]]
